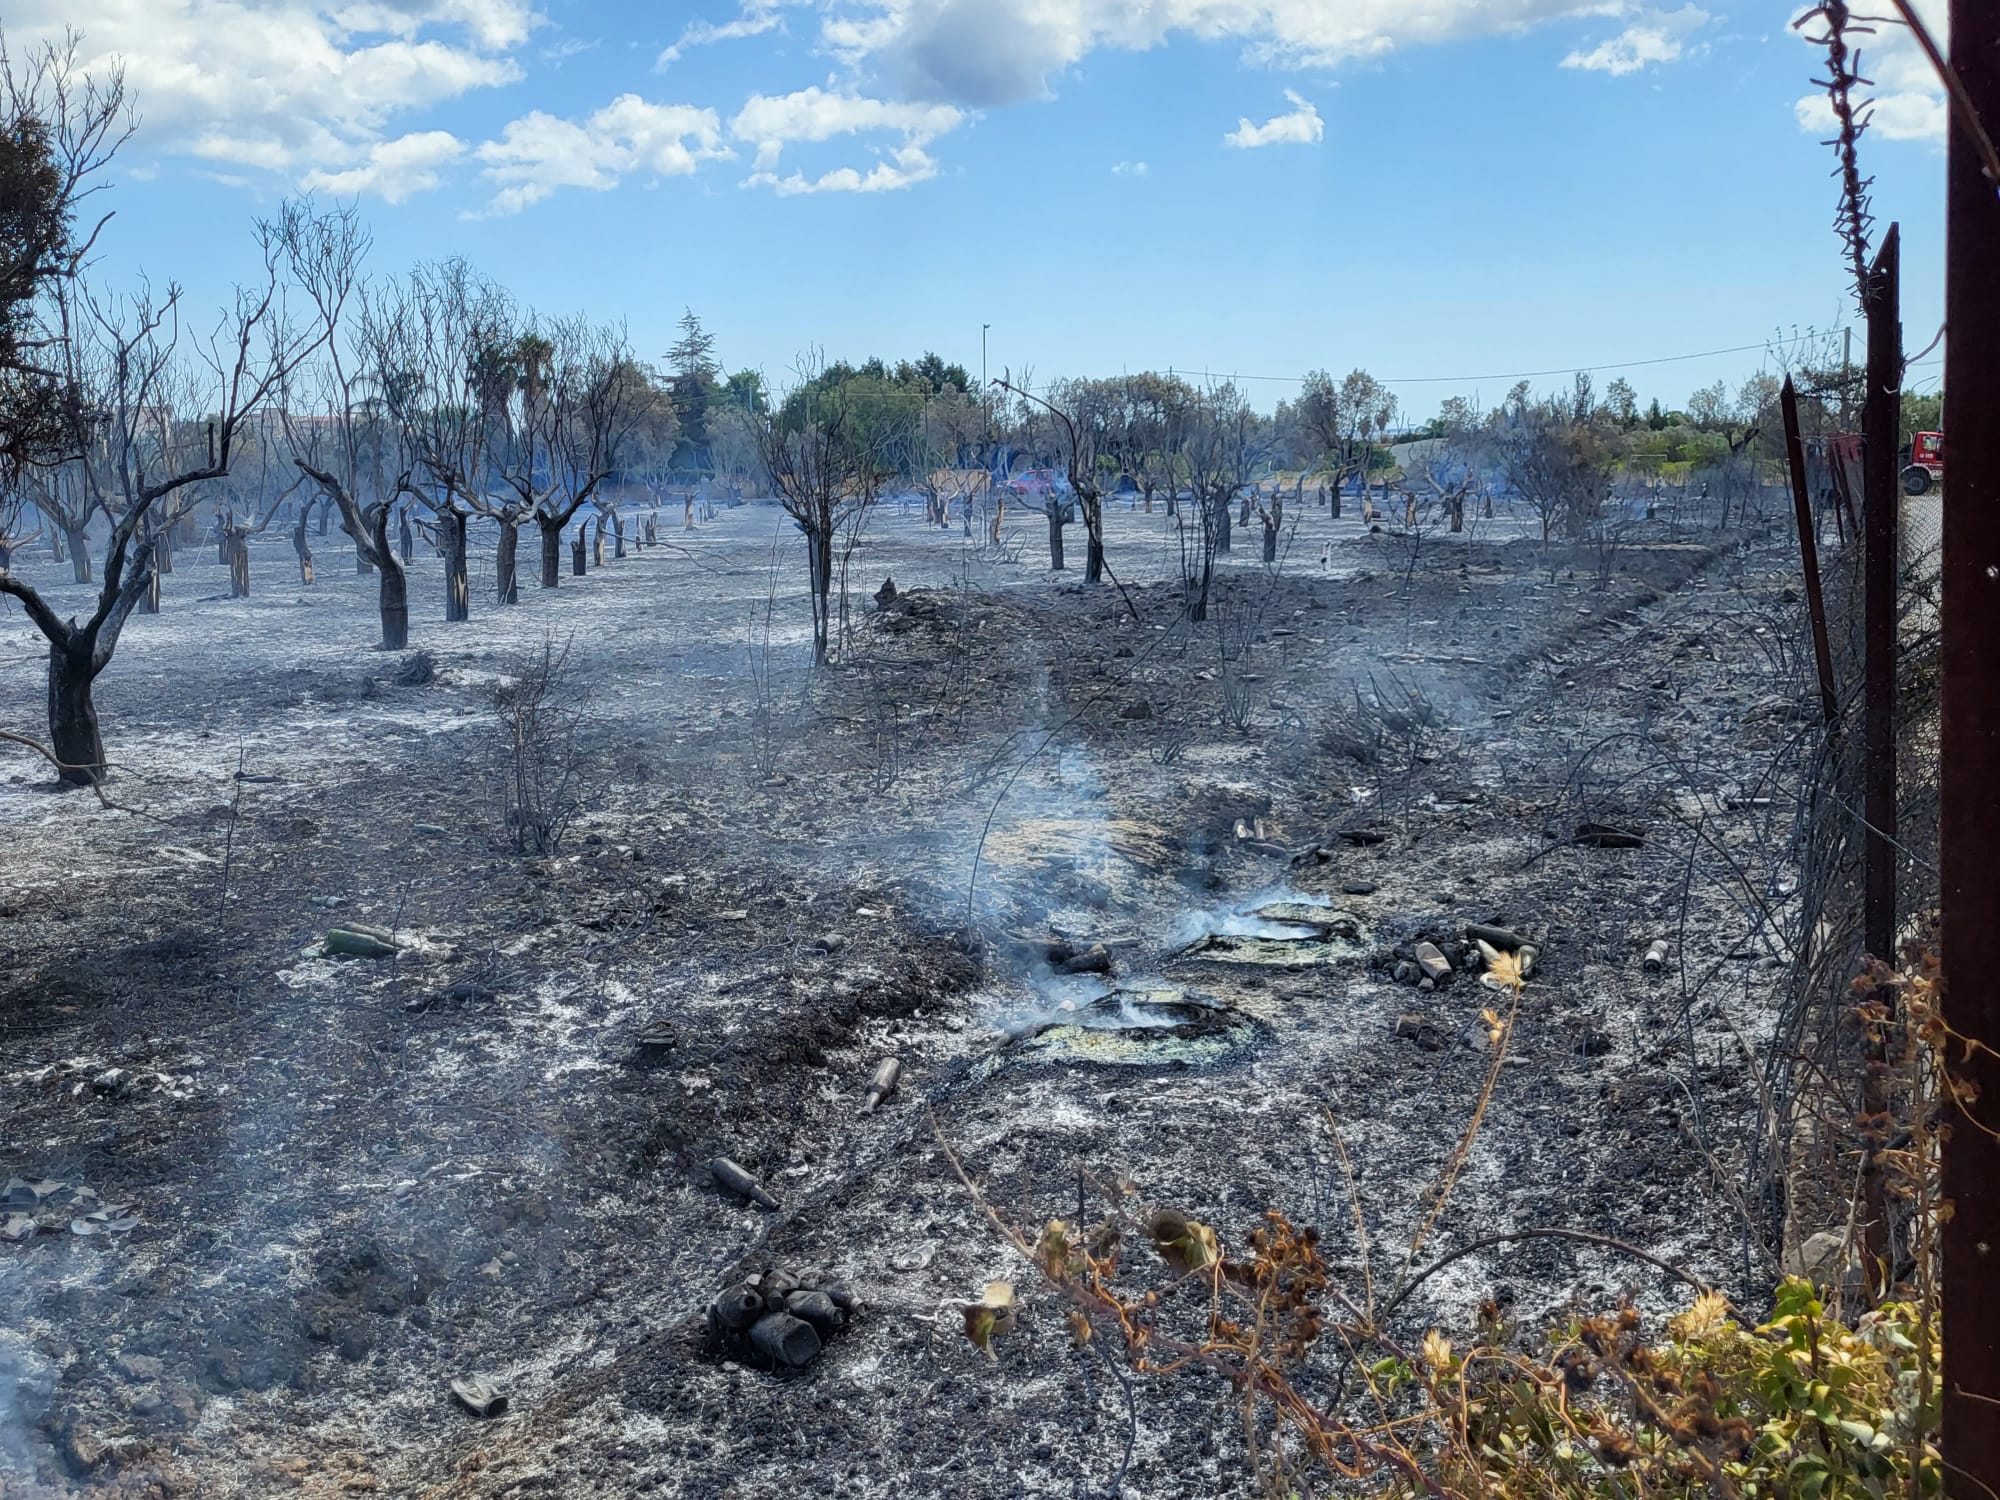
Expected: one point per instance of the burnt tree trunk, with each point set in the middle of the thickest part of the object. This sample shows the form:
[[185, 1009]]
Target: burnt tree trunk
[[1093, 546], [1271, 541], [551, 550], [72, 715], [149, 597], [617, 535], [457, 588], [239, 567], [1198, 587], [1219, 511], [78, 540], [394, 604], [393, 591], [507, 582], [406, 539], [579, 550], [1458, 511], [1055, 540], [819, 565], [303, 548], [325, 515], [597, 546]]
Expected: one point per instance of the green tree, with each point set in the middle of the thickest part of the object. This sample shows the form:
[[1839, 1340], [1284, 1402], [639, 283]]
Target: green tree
[[744, 391], [1921, 414], [57, 129], [692, 360]]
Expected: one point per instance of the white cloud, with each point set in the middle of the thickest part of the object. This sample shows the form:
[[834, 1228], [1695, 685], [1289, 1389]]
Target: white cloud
[[772, 122], [754, 22], [990, 52], [1653, 37], [304, 88], [1909, 103], [1128, 169], [393, 170], [1302, 126], [904, 168], [539, 153], [494, 24]]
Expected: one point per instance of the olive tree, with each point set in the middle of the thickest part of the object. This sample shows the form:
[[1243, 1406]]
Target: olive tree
[[122, 360]]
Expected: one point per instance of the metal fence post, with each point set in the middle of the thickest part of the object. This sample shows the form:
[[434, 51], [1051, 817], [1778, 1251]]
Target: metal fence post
[[1881, 499], [1795, 456]]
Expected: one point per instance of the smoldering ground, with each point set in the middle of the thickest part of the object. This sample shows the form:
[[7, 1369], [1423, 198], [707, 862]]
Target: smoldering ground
[[486, 1156]]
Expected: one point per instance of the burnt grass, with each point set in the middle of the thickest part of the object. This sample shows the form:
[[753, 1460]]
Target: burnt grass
[[357, 1180]]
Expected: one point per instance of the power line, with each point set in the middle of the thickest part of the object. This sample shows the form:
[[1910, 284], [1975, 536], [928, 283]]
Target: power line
[[1630, 364]]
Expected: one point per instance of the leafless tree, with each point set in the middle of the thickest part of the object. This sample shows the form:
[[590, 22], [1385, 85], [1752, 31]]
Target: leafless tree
[[436, 334], [542, 770], [1562, 468], [350, 444], [1220, 453], [66, 506], [235, 528], [12, 537], [572, 431], [1055, 505], [122, 359], [826, 467]]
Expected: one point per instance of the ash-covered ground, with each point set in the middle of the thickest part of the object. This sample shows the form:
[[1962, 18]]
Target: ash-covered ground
[[341, 1184]]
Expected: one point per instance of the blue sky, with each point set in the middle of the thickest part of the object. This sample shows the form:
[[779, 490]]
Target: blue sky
[[1461, 188]]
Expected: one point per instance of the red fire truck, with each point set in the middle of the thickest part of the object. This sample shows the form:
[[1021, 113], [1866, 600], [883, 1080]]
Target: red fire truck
[[1925, 470]]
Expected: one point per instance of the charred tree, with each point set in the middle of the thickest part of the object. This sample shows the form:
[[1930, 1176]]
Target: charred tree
[[301, 546], [825, 462], [77, 539], [452, 524], [506, 553], [368, 526], [123, 360]]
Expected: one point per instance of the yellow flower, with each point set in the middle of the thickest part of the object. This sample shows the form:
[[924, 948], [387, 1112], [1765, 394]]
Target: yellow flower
[[1707, 1316]]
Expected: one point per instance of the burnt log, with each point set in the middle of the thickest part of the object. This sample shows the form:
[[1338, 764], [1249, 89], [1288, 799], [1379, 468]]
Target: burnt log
[[1604, 836]]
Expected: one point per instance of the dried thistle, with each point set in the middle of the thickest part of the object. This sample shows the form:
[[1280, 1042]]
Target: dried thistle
[[1843, 81]]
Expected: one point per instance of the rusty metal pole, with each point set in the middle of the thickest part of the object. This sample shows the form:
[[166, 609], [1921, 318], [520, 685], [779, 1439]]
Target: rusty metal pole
[[1795, 455], [1881, 504], [1881, 499], [1970, 766]]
